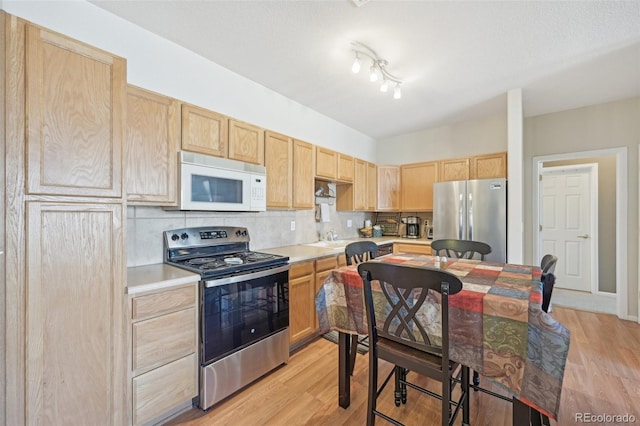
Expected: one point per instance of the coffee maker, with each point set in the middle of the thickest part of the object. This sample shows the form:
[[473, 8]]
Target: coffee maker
[[412, 228]]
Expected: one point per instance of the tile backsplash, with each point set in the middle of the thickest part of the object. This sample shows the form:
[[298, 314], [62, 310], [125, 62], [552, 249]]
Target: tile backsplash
[[145, 226]]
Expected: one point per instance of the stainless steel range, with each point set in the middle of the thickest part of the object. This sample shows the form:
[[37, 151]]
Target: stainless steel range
[[244, 306]]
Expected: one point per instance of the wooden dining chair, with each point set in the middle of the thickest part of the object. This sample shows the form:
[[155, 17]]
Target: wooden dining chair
[[355, 253], [461, 249], [548, 266], [401, 333]]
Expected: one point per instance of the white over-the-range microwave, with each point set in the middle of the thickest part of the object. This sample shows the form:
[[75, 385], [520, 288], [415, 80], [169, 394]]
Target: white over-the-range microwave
[[219, 184]]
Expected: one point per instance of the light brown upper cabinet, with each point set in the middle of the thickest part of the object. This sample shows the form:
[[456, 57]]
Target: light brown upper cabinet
[[246, 142], [454, 169], [303, 173], [204, 131], [371, 189], [388, 188], [361, 195], [489, 166], [151, 149], [360, 185], [417, 186], [326, 163], [279, 164], [345, 168], [75, 103]]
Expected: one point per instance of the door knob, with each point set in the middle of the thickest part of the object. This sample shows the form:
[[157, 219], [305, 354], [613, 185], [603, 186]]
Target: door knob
[[583, 236]]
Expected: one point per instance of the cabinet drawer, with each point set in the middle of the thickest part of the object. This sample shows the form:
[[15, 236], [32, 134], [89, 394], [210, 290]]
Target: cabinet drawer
[[166, 301], [411, 248], [164, 388], [301, 269], [326, 263], [163, 339]]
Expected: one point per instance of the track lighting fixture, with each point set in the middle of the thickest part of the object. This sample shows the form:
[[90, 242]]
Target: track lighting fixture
[[377, 69]]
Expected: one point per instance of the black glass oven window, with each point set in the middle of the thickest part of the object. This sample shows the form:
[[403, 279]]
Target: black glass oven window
[[239, 314], [210, 189]]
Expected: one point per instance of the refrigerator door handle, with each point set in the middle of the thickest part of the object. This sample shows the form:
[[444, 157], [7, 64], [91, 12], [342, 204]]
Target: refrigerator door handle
[[461, 217], [470, 217]]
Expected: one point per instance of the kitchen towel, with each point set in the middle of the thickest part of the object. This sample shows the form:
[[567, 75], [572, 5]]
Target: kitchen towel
[[325, 212]]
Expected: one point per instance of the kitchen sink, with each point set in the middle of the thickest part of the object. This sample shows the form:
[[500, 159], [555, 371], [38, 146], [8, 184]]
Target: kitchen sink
[[335, 245]]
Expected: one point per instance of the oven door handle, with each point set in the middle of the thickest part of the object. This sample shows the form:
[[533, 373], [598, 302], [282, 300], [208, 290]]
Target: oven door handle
[[246, 277]]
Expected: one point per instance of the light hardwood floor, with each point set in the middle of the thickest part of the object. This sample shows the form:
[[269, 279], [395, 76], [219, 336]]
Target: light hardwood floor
[[602, 376]]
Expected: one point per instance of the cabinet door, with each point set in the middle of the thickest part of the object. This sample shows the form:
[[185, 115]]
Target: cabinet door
[[204, 131], [302, 312], [345, 168], [279, 164], [246, 142], [489, 166], [360, 185], [75, 105], [75, 354], [371, 201], [388, 188], [417, 186], [164, 388], [303, 172], [454, 169], [151, 148], [326, 163]]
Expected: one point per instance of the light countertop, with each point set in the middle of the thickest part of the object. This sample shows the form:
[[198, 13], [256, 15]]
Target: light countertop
[[300, 252], [162, 276], [156, 277]]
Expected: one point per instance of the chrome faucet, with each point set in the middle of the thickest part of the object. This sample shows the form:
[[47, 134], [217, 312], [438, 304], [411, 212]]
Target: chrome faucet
[[331, 235]]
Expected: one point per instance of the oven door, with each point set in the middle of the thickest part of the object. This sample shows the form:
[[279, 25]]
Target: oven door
[[243, 309]]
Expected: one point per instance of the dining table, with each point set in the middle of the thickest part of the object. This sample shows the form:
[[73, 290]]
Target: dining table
[[496, 324]]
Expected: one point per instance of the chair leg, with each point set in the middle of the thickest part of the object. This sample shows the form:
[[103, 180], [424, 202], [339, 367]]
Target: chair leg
[[397, 394], [403, 395], [373, 389], [466, 409], [476, 380], [446, 403], [352, 355]]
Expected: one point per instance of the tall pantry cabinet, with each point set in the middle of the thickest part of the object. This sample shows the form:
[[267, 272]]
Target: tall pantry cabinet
[[66, 360]]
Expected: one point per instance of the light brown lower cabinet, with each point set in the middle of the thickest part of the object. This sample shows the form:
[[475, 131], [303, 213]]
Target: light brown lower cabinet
[[164, 358], [301, 298], [411, 248]]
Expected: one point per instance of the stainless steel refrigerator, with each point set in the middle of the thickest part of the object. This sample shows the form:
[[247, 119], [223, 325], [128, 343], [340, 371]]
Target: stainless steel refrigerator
[[472, 210]]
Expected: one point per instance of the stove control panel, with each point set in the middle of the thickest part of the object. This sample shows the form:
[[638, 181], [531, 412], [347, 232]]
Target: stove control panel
[[205, 236], [209, 235]]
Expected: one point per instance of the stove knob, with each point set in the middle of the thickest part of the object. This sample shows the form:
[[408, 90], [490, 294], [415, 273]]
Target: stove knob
[[184, 236], [175, 237], [238, 233], [244, 233]]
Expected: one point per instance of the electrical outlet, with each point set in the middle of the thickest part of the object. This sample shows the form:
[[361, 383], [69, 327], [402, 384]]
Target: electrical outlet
[[349, 223], [293, 225]]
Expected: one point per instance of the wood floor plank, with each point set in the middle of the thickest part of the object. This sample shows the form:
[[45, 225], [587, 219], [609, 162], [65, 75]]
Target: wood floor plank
[[602, 376]]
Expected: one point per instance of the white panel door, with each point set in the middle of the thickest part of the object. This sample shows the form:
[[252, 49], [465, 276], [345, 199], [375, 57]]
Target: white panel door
[[566, 226]]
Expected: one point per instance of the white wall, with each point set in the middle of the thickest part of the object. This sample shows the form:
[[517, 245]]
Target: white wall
[[161, 66], [464, 139]]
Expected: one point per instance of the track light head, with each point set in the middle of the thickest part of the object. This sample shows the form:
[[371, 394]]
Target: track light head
[[397, 93]]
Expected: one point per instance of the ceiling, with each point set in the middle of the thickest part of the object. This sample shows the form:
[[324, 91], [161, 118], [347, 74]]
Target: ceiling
[[458, 59]]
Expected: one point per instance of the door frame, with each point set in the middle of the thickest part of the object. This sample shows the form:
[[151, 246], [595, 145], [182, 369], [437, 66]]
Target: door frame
[[622, 279], [592, 169]]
